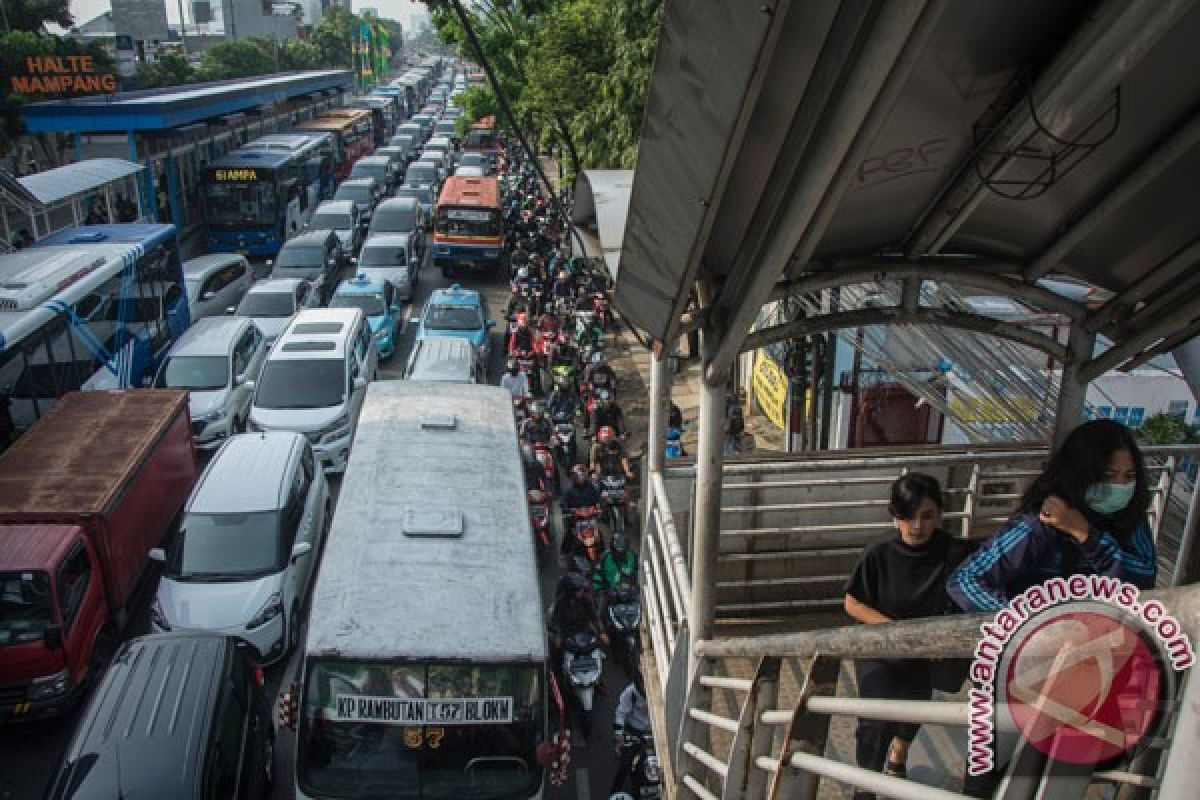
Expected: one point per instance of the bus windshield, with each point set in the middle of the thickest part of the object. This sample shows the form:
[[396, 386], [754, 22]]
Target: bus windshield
[[467, 222], [237, 205], [420, 731]]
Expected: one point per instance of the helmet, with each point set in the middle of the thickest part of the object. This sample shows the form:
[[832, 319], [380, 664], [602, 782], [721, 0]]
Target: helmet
[[522, 273], [562, 274], [597, 358], [535, 409], [578, 474], [605, 435], [620, 545], [603, 395]]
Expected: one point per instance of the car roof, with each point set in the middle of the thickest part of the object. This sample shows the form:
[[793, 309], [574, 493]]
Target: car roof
[[346, 206], [443, 358], [387, 240], [358, 182], [210, 336], [332, 326], [409, 203], [310, 239], [360, 284], [455, 296], [281, 285], [223, 487], [145, 728], [202, 265], [373, 161]]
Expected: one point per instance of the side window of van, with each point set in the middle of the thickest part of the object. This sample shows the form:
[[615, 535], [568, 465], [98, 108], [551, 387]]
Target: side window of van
[[226, 743], [73, 578]]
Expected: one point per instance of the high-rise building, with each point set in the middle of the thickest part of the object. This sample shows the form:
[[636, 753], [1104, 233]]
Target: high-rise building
[[143, 21]]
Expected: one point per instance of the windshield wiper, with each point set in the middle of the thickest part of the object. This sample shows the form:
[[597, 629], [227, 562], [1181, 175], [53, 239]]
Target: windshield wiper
[[215, 577]]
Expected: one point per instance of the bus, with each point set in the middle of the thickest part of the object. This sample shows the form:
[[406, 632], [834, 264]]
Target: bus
[[385, 111], [255, 198], [314, 150], [468, 225], [93, 307], [353, 132], [425, 670]]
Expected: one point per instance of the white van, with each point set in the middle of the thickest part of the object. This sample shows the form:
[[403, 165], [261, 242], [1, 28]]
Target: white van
[[445, 359], [315, 379]]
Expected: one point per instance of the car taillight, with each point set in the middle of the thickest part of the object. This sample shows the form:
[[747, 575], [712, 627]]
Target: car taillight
[[258, 675]]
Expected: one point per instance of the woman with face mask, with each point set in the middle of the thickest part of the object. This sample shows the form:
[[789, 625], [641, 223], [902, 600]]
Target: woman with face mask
[[1085, 514]]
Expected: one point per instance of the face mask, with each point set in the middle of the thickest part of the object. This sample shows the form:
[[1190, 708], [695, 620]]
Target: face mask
[[1109, 498]]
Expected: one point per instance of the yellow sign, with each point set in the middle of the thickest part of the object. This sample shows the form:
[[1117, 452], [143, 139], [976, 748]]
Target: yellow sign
[[770, 389], [62, 75], [988, 409], [235, 175]]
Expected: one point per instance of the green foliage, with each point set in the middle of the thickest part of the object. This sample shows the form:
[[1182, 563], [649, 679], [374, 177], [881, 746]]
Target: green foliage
[[1167, 429], [295, 54], [32, 15], [171, 69], [238, 59], [579, 65], [333, 35]]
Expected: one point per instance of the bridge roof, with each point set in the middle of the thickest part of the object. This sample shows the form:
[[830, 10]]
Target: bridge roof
[[161, 109], [988, 143]]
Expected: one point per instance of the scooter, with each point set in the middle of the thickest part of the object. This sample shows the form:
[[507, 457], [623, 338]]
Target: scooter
[[539, 517], [583, 664], [585, 534], [564, 439], [645, 778], [613, 494], [544, 456], [623, 616]]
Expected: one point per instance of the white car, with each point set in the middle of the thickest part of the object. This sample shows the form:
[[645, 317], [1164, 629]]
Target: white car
[[271, 304], [391, 257], [217, 361], [315, 380], [215, 282], [244, 557], [341, 217]]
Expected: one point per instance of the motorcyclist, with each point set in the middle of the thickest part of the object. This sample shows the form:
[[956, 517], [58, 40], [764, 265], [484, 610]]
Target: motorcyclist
[[563, 287], [599, 374], [607, 457], [582, 493], [514, 380], [535, 476], [562, 402], [537, 428], [607, 412], [632, 716], [521, 340], [619, 566], [572, 612]]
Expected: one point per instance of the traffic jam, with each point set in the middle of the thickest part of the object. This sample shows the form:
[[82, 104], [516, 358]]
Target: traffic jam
[[314, 473]]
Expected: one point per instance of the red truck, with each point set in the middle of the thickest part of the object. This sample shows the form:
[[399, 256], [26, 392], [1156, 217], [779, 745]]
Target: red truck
[[84, 495]]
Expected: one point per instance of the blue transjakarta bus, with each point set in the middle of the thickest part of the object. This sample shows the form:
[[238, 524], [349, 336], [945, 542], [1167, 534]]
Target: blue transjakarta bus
[[90, 307], [257, 196]]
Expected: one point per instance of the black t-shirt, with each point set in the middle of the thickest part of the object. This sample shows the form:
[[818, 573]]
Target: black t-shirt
[[906, 582]]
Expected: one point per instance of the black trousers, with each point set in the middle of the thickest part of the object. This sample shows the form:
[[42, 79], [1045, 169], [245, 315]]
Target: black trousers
[[900, 679]]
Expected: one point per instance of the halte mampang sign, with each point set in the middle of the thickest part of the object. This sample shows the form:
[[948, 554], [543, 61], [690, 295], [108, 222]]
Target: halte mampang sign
[[62, 75]]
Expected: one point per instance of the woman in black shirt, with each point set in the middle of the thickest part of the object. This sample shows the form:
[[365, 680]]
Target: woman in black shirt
[[902, 577]]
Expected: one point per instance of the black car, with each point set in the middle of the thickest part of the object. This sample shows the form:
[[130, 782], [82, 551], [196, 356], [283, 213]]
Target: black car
[[316, 256], [179, 715]]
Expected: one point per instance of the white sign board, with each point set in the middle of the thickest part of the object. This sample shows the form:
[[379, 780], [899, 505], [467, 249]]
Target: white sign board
[[468, 215], [442, 711]]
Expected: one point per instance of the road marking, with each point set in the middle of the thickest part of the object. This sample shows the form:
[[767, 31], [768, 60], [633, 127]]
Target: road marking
[[583, 787]]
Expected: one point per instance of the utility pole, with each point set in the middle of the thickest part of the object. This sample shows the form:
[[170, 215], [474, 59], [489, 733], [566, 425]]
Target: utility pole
[[182, 28]]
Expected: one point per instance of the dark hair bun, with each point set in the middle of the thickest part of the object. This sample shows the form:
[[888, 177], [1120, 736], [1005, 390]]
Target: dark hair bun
[[910, 491]]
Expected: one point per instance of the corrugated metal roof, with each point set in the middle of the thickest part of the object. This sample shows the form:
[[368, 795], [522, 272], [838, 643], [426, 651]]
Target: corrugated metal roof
[[57, 184]]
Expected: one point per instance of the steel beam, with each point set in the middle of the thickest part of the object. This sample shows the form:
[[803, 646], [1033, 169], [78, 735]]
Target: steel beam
[[706, 542], [1180, 143], [867, 89], [1109, 43], [1115, 356], [1072, 389], [893, 315]]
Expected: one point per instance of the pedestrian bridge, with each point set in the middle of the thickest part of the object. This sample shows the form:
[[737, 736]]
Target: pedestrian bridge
[[813, 167]]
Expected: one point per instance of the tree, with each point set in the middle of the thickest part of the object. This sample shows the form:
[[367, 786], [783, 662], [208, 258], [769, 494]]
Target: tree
[[333, 36], [295, 54], [32, 15], [1167, 429], [171, 69], [238, 59]]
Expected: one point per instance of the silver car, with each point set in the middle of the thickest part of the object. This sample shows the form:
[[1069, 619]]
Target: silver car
[[215, 282], [217, 361], [341, 217], [271, 304], [391, 257], [243, 560]]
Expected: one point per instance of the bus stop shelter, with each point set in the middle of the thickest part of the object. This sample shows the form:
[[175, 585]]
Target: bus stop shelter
[[57, 198], [174, 132]]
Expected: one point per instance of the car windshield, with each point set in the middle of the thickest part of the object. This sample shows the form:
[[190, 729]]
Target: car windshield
[[378, 171], [218, 547], [25, 609], [362, 731], [383, 257], [471, 160], [393, 221], [198, 373], [267, 304], [453, 318], [301, 258], [324, 220], [421, 193], [371, 304], [309, 383], [421, 173], [358, 194]]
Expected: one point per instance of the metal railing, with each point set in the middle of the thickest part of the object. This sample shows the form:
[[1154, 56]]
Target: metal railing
[[666, 585], [766, 734]]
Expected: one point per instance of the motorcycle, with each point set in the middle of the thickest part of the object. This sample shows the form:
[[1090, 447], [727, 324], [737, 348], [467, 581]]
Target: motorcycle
[[587, 330], [520, 409], [585, 534], [544, 456], [614, 497], [599, 305], [527, 362], [623, 616], [564, 439], [645, 779], [539, 517], [583, 664]]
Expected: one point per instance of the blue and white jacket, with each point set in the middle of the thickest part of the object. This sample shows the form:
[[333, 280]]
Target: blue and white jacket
[[1026, 552]]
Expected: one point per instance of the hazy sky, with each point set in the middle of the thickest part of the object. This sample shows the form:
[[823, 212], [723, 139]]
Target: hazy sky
[[85, 10]]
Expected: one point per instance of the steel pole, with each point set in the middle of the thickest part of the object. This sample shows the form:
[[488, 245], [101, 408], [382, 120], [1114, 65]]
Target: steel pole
[[1072, 389], [656, 431], [710, 457]]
